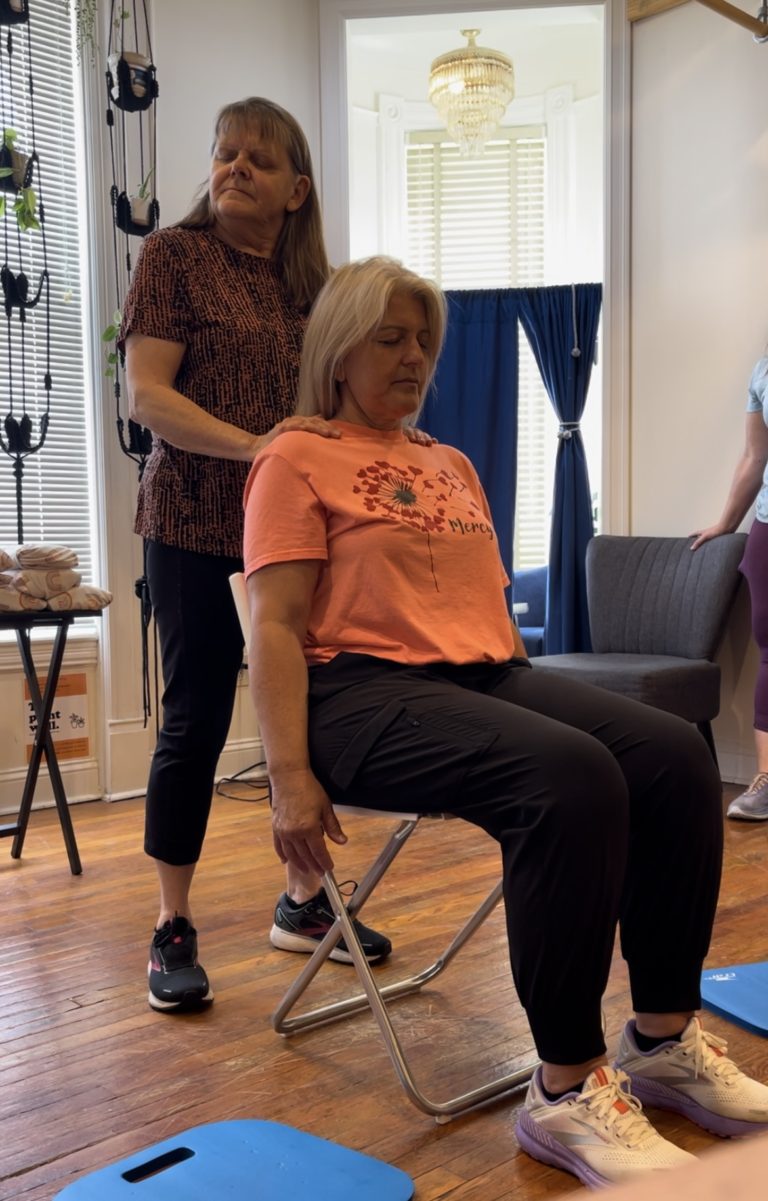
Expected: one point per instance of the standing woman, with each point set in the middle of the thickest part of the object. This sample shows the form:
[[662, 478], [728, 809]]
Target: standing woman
[[750, 480], [212, 332]]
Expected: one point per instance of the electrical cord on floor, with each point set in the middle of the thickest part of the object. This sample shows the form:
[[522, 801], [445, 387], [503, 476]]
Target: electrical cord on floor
[[260, 787]]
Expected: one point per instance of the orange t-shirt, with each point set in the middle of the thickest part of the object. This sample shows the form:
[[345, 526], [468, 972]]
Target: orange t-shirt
[[411, 568]]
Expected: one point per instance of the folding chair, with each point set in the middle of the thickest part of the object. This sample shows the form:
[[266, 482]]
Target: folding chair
[[375, 997]]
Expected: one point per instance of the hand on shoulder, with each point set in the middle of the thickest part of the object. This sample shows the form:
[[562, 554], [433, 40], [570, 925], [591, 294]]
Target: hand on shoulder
[[420, 437], [309, 425]]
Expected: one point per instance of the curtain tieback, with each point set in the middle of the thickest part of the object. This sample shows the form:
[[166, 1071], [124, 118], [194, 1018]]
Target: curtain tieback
[[567, 429]]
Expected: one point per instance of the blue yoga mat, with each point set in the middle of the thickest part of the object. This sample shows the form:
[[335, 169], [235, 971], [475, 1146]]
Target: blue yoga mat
[[738, 993], [264, 1161]]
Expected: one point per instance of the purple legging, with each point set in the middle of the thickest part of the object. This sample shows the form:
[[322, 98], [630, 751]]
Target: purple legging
[[754, 567]]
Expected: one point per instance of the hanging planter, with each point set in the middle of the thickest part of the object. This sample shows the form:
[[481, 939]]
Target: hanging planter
[[15, 166], [15, 178], [136, 214], [131, 119], [141, 209], [13, 12], [131, 80]]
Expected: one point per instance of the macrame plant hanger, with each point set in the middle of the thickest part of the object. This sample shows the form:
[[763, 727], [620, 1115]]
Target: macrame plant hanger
[[131, 119], [24, 298]]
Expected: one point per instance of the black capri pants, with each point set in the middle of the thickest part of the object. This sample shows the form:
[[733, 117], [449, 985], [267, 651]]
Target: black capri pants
[[606, 810], [201, 648]]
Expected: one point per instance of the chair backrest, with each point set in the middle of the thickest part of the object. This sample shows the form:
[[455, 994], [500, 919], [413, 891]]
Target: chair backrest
[[655, 596], [240, 597]]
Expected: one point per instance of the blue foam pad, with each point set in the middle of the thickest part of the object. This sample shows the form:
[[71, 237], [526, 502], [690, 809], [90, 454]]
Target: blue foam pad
[[738, 993], [244, 1159]]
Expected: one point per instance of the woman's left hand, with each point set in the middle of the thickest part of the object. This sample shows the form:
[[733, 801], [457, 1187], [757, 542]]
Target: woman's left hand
[[309, 425], [420, 437]]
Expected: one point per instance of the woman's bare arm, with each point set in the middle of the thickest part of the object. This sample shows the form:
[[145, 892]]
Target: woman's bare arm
[[152, 365], [746, 482], [279, 598]]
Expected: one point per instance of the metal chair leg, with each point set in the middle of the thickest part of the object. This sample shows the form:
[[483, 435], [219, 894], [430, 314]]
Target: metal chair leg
[[375, 998]]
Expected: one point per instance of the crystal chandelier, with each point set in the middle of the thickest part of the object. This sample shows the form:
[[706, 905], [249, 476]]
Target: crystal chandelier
[[471, 88]]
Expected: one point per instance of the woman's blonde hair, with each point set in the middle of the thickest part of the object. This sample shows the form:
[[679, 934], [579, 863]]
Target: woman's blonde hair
[[300, 250], [348, 310]]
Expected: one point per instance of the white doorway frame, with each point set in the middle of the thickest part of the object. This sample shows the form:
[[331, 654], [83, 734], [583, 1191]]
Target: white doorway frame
[[333, 15]]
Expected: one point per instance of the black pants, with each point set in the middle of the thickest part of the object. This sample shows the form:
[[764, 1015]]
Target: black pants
[[605, 810], [754, 566], [201, 647]]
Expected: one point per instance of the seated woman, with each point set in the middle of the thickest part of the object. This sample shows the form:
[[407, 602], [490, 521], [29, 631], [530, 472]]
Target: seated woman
[[386, 672]]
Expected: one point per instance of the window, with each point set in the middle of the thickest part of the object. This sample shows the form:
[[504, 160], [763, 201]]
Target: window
[[56, 500], [479, 223]]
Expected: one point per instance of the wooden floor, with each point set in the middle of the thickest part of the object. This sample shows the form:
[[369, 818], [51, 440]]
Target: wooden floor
[[89, 1074]]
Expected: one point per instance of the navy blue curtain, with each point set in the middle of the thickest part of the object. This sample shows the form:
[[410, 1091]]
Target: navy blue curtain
[[561, 325], [473, 401]]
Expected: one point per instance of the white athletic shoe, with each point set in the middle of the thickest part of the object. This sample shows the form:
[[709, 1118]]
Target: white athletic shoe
[[752, 804], [695, 1077], [600, 1135]]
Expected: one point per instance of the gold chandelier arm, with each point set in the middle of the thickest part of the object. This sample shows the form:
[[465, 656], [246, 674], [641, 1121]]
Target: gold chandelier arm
[[638, 9]]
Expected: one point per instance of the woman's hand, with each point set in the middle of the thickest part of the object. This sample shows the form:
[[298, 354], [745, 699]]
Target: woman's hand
[[302, 818], [712, 531], [310, 425], [420, 437]]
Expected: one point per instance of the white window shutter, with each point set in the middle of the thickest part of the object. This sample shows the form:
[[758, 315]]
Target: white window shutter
[[480, 223]]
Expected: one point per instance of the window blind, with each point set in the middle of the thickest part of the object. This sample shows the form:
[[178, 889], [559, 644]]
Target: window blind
[[56, 495], [480, 223]]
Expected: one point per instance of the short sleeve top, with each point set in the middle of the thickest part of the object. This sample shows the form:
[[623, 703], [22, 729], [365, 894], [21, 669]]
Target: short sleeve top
[[410, 567], [757, 402], [243, 342]]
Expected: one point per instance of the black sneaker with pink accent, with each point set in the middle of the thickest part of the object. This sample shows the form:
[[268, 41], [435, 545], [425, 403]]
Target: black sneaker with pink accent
[[302, 927], [176, 979]]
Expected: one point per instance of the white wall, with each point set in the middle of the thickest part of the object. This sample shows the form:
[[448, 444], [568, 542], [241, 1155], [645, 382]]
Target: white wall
[[699, 298], [210, 54]]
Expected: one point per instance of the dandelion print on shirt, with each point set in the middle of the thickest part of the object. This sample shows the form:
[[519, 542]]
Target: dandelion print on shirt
[[420, 501]]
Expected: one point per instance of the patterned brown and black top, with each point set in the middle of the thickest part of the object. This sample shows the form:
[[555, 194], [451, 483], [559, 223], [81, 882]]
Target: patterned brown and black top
[[243, 341]]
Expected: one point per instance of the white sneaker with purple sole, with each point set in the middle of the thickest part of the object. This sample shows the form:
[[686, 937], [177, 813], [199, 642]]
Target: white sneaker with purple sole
[[599, 1134], [696, 1078]]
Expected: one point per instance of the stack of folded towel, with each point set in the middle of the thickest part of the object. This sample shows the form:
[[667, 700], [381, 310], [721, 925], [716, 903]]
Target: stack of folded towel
[[42, 576]]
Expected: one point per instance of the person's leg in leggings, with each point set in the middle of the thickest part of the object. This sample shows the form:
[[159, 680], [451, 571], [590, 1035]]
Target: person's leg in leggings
[[201, 647], [755, 568]]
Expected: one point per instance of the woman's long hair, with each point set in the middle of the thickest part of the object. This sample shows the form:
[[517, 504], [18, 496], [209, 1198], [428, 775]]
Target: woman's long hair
[[300, 250], [350, 307]]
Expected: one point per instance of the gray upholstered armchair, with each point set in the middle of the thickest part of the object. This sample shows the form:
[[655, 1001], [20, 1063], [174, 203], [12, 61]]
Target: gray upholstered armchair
[[656, 613]]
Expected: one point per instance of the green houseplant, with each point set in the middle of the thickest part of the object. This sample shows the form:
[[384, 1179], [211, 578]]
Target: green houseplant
[[14, 173], [141, 201], [109, 336]]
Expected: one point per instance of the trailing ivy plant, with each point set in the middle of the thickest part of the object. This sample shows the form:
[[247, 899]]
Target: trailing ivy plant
[[9, 137], [109, 335], [25, 208], [86, 12]]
